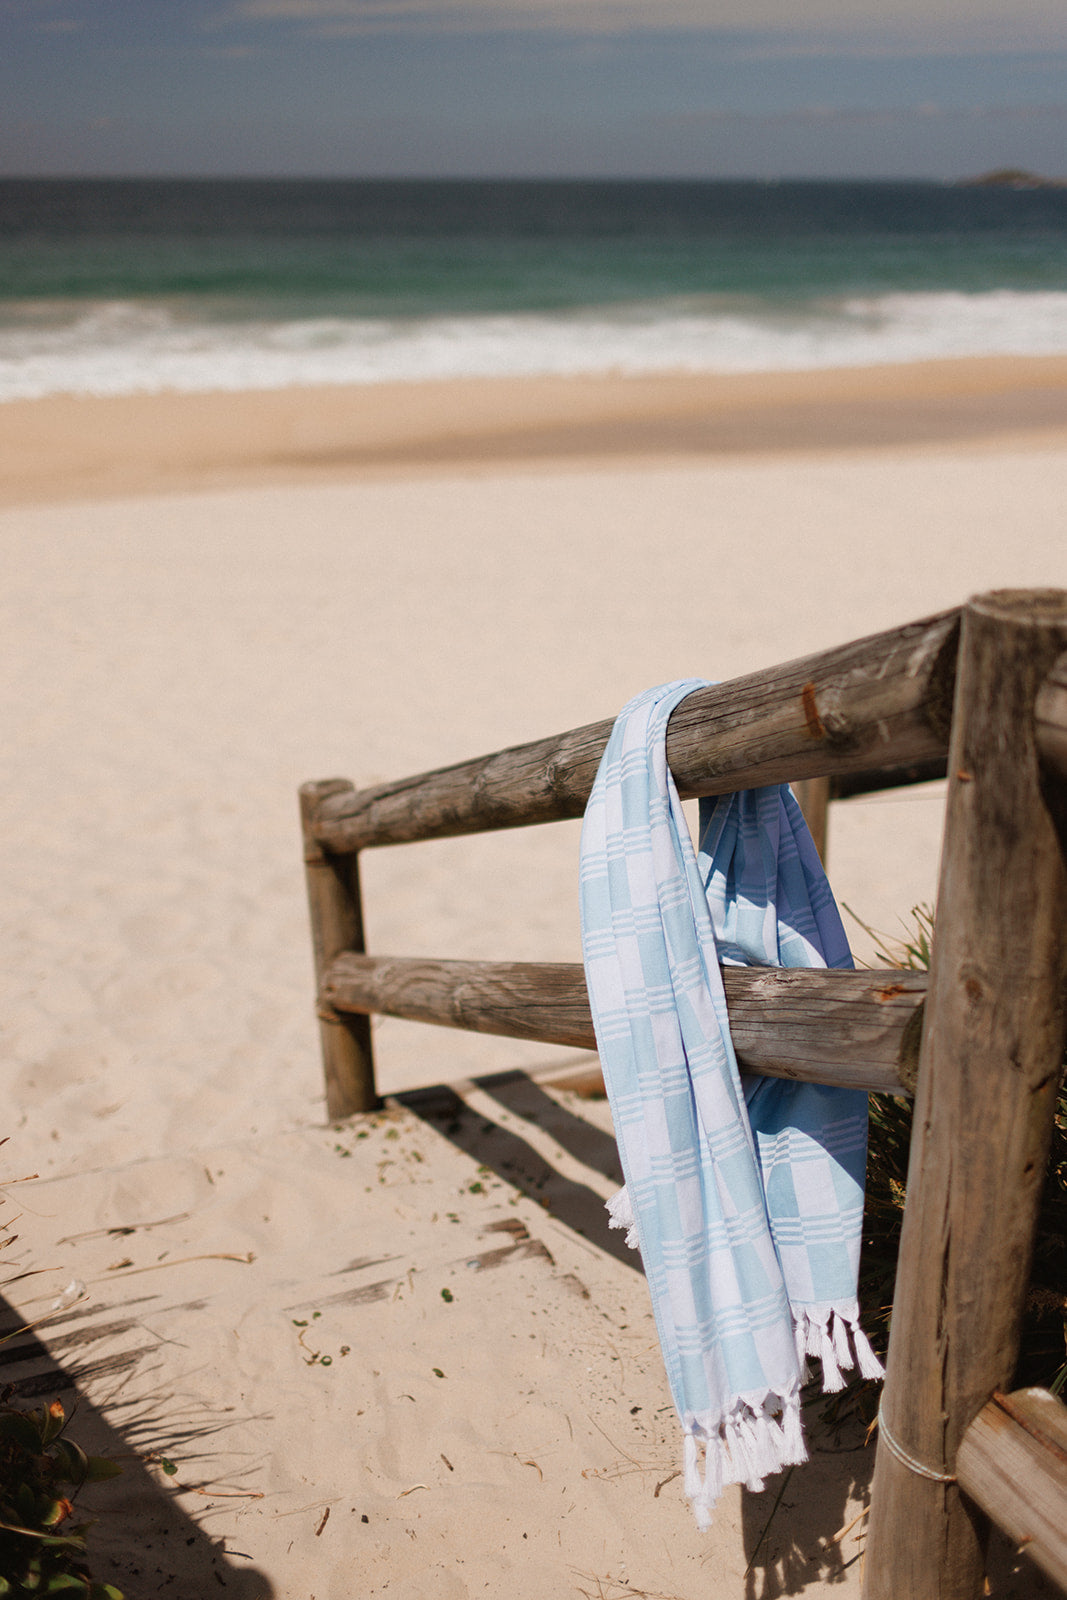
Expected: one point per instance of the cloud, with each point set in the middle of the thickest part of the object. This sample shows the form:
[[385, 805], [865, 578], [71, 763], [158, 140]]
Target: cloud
[[35, 13], [976, 19], [479, 15], [820, 114], [566, 14]]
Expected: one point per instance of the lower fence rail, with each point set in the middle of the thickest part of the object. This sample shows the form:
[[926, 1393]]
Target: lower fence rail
[[856, 1030], [1012, 1462]]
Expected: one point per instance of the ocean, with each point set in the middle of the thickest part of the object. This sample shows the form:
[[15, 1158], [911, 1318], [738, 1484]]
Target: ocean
[[123, 286]]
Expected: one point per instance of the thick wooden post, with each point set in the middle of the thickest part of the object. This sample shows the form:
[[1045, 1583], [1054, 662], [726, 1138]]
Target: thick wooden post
[[337, 925], [988, 1074]]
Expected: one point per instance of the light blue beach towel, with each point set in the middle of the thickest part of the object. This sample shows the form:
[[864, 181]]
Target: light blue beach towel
[[744, 1195]]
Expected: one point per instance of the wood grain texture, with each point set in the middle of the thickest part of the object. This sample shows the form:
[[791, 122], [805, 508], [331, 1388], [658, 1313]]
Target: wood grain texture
[[1012, 1462], [813, 797], [989, 1068], [884, 701], [335, 908], [1050, 718], [854, 1029], [848, 784], [1050, 713]]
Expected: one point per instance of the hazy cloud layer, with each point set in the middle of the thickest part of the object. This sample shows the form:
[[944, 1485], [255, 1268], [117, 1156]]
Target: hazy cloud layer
[[703, 88], [981, 23]]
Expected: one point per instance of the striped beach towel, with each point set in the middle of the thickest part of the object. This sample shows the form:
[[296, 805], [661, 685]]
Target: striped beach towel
[[743, 1194]]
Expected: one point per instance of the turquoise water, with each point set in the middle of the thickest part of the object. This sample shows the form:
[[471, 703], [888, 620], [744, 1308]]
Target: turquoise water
[[110, 286]]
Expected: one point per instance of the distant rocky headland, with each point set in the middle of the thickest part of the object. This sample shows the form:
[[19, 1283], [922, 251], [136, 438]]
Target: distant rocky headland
[[1014, 178]]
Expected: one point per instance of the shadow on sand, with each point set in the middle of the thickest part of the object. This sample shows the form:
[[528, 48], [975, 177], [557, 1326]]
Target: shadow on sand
[[803, 1530], [789, 1530], [143, 1541], [514, 1159]]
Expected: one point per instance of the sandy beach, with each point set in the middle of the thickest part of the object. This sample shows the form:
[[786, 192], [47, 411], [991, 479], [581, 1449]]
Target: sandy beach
[[72, 445], [402, 1356]]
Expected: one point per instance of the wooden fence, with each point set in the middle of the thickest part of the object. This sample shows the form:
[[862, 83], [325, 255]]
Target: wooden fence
[[979, 693]]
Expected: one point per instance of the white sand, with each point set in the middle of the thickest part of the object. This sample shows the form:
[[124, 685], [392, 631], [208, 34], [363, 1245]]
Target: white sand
[[174, 667]]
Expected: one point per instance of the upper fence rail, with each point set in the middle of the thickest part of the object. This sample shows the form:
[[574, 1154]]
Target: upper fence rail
[[875, 706]]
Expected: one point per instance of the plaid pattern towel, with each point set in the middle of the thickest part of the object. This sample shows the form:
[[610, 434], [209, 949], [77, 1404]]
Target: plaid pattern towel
[[745, 1196]]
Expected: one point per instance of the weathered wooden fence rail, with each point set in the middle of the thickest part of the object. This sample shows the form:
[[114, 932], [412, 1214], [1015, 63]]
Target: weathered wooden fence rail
[[885, 702], [859, 1030], [978, 693]]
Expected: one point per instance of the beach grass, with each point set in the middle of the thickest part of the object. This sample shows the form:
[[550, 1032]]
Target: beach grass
[[1042, 1358]]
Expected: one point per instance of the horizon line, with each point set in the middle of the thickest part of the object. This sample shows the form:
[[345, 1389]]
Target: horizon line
[[1025, 177]]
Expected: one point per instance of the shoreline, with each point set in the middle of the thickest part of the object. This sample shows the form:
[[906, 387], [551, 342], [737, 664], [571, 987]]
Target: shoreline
[[67, 447]]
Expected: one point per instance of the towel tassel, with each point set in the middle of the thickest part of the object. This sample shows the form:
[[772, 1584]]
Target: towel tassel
[[621, 1215]]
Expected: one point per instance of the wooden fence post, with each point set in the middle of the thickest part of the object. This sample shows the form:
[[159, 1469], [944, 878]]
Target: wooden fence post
[[988, 1076], [813, 798], [336, 911]]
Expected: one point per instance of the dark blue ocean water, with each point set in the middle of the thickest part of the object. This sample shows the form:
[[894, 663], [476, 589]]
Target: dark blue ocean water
[[111, 285]]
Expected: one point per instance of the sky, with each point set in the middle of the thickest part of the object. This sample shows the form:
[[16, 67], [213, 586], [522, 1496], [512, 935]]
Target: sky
[[532, 88]]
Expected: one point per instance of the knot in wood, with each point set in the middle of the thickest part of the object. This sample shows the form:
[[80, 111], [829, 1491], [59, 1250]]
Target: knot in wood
[[557, 776], [812, 720], [837, 724]]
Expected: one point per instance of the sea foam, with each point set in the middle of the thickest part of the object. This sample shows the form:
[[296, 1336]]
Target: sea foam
[[131, 347]]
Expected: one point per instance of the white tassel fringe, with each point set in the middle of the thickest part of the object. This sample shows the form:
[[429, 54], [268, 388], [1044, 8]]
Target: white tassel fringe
[[621, 1215], [747, 1446], [757, 1440], [822, 1331], [833, 1333]]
